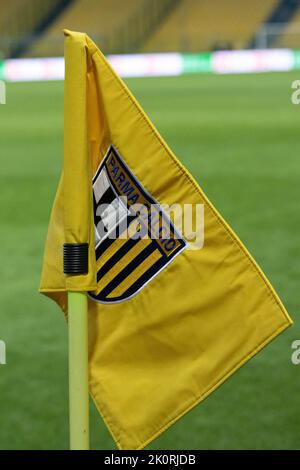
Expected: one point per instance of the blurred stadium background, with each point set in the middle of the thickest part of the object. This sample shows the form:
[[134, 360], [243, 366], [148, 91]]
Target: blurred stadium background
[[237, 133]]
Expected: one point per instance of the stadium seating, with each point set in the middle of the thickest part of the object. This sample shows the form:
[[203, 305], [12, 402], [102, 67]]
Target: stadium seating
[[96, 17], [197, 25], [8, 10], [190, 25], [21, 19], [290, 36]]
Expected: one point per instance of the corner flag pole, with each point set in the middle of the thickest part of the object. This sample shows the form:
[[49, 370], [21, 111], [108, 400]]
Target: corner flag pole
[[77, 229], [76, 263], [78, 371]]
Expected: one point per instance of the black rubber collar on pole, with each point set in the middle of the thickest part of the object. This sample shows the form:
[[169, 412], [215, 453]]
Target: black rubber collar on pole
[[76, 257]]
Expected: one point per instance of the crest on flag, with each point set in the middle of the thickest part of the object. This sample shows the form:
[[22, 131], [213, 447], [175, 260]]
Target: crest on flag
[[134, 237]]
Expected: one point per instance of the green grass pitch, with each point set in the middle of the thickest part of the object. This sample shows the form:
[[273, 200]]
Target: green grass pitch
[[240, 138]]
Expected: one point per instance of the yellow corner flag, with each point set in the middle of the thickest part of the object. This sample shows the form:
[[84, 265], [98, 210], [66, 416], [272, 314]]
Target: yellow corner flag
[[169, 320]]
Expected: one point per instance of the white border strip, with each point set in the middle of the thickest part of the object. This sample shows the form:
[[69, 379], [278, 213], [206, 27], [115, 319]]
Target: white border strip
[[155, 65]]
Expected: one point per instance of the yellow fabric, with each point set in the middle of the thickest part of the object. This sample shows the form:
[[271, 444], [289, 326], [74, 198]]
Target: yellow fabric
[[155, 356]]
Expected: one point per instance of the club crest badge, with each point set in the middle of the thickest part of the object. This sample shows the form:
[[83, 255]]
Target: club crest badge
[[134, 238]]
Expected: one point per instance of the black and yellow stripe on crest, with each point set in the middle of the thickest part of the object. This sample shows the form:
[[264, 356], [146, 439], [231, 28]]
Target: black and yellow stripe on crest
[[125, 266]]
